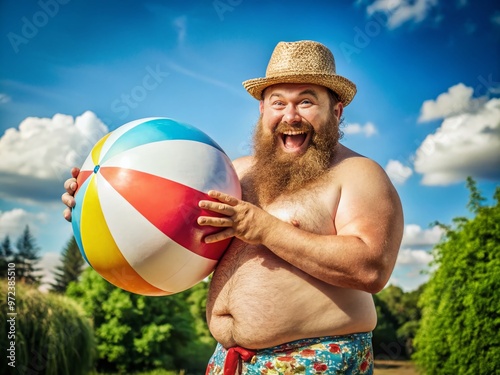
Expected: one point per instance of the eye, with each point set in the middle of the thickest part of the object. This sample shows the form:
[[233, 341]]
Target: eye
[[278, 103], [306, 103]]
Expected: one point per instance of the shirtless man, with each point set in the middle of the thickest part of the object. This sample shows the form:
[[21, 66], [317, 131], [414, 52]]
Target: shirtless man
[[316, 232]]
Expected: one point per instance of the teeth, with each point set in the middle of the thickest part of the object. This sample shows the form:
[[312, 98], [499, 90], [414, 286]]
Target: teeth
[[290, 132]]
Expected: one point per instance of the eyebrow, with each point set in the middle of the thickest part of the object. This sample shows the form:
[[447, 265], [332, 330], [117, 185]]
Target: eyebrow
[[305, 92]]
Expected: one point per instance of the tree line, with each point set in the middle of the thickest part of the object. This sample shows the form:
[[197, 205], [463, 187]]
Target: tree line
[[449, 325], [26, 256]]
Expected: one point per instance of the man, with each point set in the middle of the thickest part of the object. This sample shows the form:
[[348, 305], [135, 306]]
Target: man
[[316, 232]]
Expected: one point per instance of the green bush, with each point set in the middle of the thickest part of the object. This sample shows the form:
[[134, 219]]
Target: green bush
[[140, 333], [52, 334], [461, 303]]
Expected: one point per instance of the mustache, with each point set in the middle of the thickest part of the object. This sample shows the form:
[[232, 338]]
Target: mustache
[[302, 126]]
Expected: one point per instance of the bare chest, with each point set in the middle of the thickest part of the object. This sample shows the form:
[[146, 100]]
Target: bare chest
[[313, 211]]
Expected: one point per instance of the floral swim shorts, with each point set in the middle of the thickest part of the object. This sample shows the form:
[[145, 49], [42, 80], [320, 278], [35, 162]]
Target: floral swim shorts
[[348, 354]]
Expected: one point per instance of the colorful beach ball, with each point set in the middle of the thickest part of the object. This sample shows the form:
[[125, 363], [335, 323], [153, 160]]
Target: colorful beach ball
[[135, 218]]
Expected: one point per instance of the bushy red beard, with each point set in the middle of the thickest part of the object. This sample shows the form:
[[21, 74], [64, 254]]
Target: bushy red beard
[[276, 172]]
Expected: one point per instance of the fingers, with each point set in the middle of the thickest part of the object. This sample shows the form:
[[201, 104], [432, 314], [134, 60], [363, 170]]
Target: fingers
[[74, 172], [221, 236], [67, 214], [220, 208], [223, 197], [226, 206], [68, 200], [70, 186], [222, 222]]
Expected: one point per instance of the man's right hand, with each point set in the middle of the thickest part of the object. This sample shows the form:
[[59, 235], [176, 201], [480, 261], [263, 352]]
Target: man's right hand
[[67, 198]]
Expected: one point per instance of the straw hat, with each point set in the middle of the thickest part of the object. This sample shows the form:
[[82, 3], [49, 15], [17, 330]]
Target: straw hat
[[302, 62]]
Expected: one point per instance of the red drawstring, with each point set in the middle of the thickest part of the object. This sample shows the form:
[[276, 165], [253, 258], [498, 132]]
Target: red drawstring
[[233, 356]]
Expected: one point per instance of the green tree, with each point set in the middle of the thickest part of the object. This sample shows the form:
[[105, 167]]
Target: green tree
[[385, 344], [200, 350], [460, 304], [398, 319], [70, 268], [135, 332], [26, 257], [6, 253]]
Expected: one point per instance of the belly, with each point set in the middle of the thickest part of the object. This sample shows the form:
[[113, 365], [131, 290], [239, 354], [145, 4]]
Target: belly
[[256, 300]]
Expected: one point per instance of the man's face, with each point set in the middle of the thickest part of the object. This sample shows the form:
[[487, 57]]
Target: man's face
[[295, 139], [294, 112]]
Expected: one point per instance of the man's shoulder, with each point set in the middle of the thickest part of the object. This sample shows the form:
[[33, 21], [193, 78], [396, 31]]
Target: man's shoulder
[[352, 167], [242, 165], [346, 159]]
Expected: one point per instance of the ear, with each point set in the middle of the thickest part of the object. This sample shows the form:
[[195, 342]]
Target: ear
[[338, 110], [261, 106]]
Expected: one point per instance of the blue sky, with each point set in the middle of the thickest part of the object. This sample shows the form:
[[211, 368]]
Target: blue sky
[[427, 107]]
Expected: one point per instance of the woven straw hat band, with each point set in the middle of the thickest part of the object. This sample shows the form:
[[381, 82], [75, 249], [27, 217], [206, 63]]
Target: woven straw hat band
[[302, 62]]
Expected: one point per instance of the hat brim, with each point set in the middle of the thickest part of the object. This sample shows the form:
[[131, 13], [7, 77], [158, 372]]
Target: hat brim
[[344, 88]]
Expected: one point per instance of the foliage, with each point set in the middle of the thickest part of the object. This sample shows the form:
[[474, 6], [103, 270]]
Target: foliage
[[6, 253], [385, 345], [135, 332], [52, 334], [200, 350], [26, 257], [460, 305], [71, 266], [398, 320]]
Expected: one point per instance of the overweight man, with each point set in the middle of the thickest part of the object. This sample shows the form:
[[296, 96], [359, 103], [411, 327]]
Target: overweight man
[[316, 233]]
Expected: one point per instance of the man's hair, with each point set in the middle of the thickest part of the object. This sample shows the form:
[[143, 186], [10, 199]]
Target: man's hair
[[334, 98]]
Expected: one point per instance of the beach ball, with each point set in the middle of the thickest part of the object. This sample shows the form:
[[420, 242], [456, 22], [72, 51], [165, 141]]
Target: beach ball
[[135, 217]]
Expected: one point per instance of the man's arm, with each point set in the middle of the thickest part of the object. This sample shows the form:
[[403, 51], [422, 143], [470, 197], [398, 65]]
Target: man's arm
[[369, 223]]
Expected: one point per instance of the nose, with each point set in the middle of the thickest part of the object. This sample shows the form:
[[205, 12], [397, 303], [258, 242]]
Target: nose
[[291, 115]]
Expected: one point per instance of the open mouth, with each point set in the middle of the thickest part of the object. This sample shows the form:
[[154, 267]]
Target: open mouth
[[294, 140]]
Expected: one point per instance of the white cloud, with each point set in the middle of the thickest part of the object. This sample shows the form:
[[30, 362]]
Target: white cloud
[[397, 172], [457, 100], [399, 12], [367, 129], [37, 157], [414, 235], [409, 277], [413, 257], [411, 269], [466, 144], [413, 263], [12, 223]]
